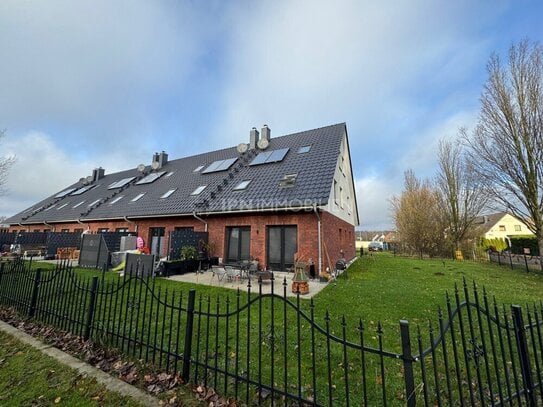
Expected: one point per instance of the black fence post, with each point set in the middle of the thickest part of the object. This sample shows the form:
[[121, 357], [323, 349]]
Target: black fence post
[[510, 259], [34, 298], [522, 346], [526, 262], [499, 259], [407, 364], [187, 351], [90, 312]]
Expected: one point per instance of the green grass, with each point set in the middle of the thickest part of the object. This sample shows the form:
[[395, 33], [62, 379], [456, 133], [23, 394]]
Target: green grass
[[30, 378], [387, 288], [376, 289]]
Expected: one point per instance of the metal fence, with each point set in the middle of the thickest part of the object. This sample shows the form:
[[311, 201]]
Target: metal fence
[[266, 349], [519, 261]]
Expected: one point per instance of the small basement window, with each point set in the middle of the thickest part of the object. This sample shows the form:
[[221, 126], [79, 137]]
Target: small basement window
[[167, 194], [242, 185], [304, 149], [199, 190]]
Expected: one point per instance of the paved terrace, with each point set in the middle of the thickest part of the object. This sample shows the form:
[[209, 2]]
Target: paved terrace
[[210, 277]]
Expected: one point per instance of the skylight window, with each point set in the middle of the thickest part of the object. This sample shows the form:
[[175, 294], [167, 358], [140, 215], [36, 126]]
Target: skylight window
[[199, 190], [288, 180], [120, 183], [94, 203], [169, 174], [78, 204], [167, 194], [242, 185], [64, 193], [198, 168], [152, 177], [50, 207], [139, 196], [82, 190], [116, 199], [304, 149], [272, 156], [62, 206], [219, 165]]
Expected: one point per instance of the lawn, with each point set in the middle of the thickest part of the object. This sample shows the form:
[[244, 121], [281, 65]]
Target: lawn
[[379, 289], [387, 288], [29, 378]]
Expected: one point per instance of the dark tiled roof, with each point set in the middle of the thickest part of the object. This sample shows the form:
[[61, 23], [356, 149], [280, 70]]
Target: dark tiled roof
[[315, 171]]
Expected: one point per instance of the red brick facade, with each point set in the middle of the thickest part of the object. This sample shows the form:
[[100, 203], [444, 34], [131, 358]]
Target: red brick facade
[[337, 235]]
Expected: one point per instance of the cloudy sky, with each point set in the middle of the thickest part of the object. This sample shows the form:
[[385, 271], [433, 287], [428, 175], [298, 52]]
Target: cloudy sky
[[107, 83]]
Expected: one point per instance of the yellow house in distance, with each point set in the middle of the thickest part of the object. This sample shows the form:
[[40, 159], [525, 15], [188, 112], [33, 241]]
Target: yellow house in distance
[[501, 225]]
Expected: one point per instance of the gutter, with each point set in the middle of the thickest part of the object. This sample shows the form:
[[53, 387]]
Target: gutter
[[319, 236], [201, 220], [293, 209]]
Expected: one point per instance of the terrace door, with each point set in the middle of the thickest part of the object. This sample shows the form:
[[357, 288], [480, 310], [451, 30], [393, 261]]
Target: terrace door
[[282, 245], [238, 244], [156, 237]]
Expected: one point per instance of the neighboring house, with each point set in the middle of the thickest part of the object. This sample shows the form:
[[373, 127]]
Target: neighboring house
[[501, 225], [271, 199]]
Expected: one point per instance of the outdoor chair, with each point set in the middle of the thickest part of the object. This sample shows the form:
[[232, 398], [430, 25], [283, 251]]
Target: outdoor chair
[[218, 272], [232, 273]]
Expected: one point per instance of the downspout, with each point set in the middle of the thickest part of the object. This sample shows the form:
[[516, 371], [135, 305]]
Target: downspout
[[201, 220], [81, 223], [51, 226], [131, 221], [319, 236]]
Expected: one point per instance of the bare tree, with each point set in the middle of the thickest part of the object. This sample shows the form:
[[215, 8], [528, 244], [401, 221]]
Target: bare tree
[[506, 148], [460, 194], [417, 216], [5, 165]]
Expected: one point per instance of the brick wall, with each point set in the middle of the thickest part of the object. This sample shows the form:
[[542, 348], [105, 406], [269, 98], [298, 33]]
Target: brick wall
[[338, 240], [334, 242]]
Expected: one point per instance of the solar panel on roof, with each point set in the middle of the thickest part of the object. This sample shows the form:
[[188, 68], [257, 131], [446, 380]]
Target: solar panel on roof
[[219, 165], [82, 190], [120, 183], [270, 156], [151, 178], [261, 158], [64, 193]]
